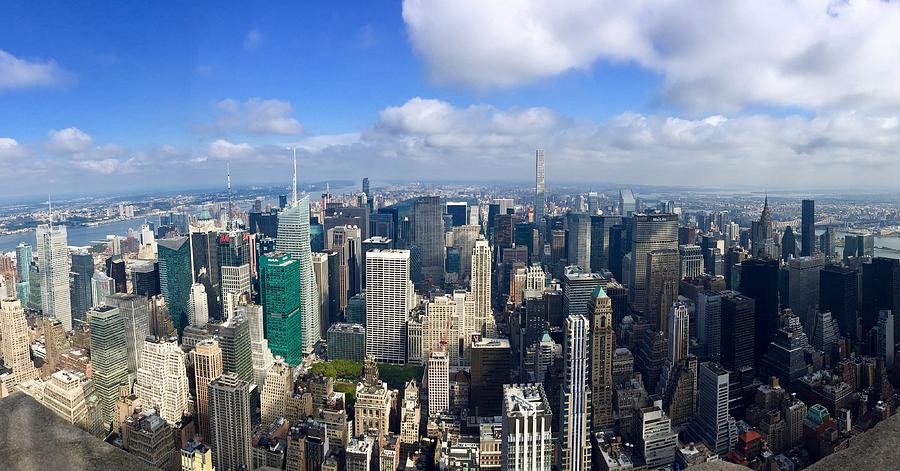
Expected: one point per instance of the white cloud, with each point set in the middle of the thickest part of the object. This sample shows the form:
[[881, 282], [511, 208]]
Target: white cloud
[[102, 166], [16, 73], [221, 149], [256, 116], [11, 149], [252, 40], [438, 123], [68, 141], [719, 56], [427, 139]]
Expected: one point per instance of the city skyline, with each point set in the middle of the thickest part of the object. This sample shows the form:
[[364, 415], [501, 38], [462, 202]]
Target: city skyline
[[598, 87]]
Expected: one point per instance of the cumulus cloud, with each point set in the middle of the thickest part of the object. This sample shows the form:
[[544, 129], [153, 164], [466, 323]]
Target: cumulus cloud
[[428, 139], [68, 141], [440, 124], [719, 56], [16, 73], [11, 149], [256, 116]]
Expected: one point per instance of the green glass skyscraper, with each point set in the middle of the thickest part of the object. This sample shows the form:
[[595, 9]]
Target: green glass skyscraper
[[279, 285], [175, 278]]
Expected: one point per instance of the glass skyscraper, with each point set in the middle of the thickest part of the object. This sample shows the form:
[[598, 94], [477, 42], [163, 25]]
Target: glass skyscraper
[[279, 285], [82, 276], [293, 239], [175, 278]]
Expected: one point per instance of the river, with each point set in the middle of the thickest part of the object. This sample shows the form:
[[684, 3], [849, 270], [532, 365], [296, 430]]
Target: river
[[79, 236]]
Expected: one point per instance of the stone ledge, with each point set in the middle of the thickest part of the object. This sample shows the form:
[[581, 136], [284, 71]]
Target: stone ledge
[[33, 438]]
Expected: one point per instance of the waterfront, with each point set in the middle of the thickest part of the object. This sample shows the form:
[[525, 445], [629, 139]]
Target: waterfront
[[78, 236]]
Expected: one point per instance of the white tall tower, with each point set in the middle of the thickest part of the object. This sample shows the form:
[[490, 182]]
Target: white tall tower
[[679, 335], [438, 374], [162, 379], [199, 309], [540, 197], [387, 303], [481, 287], [575, 436], [53, 264], [293, 239]]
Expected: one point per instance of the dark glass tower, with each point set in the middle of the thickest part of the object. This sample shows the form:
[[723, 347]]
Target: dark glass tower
[[428, 234], [82, 273], [838, 288], [739, 320], [759, 281], [808, 228], [115, 269], [880, 290]]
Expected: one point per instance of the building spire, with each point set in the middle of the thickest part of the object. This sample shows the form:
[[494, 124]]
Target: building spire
[[50, 210], [230, 203], [294, 182]]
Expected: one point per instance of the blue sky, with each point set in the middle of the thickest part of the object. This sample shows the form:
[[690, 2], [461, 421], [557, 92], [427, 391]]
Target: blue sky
[[641, 93]]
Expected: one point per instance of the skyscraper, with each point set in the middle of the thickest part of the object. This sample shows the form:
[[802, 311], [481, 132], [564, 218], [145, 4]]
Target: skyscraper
[[428, 234], [650, 232], [627, 202], [109, 357], [293, 239], [803, 287], [540, 198], [712, 423], [679, 337], [53, 265], [884, 338], [880, 291], [527, 442], [175, 278], [481, 287], [207, 357], [600, 226], [234, 276], [23, 269], [82, 275], [575, 424], [438, 374], [761, 234], [808, 228], [279, 278], [15, 342], [237, 351], [491, 360], [278, 384], [199, 308], [387, 303], [759, 281], [691, 261], [603, 340], [739, 318], [662, 285], [135, 312], [162, 379], [229, 422], [578, 240], [709, 324]]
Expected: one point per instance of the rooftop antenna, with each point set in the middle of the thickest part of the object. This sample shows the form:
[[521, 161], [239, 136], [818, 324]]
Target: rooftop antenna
[[50, 210], [294, 183], [230, 204]]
